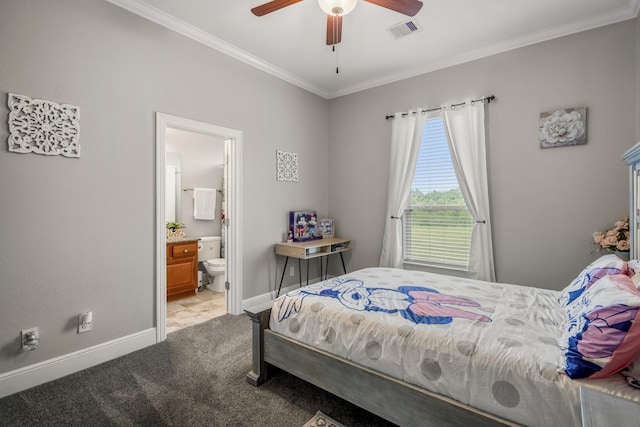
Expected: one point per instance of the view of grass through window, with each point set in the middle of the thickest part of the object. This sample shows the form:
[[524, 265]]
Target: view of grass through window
[[437, 222]]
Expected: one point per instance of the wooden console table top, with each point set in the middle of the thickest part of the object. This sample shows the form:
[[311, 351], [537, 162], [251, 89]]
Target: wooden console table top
[[313, 248]]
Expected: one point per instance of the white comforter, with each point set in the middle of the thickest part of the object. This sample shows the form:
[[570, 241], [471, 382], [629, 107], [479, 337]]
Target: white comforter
[[491, 346]]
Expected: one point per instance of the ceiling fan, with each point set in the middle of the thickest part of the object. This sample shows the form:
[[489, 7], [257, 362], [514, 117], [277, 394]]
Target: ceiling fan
[[336, 9]]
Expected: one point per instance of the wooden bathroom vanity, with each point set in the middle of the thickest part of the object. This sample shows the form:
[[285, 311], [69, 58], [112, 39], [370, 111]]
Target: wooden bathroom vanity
[[182, 267]]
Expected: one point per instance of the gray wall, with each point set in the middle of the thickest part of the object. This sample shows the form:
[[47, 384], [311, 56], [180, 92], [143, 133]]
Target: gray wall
[[545, 203], [78, 234], [637, 53]]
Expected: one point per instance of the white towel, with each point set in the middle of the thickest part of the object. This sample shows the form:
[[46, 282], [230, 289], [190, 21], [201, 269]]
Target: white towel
[[204, 203]]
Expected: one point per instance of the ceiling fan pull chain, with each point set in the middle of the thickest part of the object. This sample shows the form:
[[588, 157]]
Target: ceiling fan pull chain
[[333, 47], [336, 50]]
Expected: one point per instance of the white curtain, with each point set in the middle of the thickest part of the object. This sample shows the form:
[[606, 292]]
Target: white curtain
[[406, 134], [466, 135]]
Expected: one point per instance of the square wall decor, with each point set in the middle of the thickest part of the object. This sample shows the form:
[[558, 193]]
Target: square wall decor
[[43, 127], [286, 166], [564, 127]]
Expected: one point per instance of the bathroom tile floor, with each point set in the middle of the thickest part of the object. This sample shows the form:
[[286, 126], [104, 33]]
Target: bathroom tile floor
[[198, 308]]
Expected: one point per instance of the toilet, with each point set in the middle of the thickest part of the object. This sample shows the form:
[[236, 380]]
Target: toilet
[[209, 256]]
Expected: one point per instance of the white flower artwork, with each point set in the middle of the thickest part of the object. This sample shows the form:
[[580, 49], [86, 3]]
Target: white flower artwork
[[286, 166], [563, 127], [43, 127]]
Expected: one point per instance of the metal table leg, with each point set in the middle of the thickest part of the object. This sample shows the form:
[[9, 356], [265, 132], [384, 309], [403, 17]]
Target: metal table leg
[[300, 271], [326, 269], [286, 260], [343, 267]]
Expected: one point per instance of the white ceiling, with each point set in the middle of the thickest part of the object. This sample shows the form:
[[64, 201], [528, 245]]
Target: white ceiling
[[290, 43]]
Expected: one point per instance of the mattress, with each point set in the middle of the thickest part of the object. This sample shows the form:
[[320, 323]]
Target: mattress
[[489, 345]]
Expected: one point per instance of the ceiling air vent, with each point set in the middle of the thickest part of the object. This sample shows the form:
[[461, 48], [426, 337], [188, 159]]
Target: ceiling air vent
[[404, 29]]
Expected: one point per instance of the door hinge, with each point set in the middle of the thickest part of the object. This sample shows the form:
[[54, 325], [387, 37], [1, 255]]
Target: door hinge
[[226, 285]]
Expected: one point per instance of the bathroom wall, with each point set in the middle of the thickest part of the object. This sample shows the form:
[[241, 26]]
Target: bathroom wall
[[173, 187], [202, 161]]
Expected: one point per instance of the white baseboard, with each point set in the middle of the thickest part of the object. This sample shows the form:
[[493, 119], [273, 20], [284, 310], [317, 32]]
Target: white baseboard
[[262, 302], [264, 299], [30, 376]]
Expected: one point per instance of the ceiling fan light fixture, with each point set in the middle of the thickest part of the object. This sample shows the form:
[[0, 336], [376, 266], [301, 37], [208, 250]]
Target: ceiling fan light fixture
[[337, 7]]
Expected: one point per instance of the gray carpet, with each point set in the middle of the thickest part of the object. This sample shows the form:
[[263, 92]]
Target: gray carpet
[[195, 378]]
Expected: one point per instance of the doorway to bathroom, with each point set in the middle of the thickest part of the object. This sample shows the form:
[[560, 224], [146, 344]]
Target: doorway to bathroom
[[195, 198], [192, 157]]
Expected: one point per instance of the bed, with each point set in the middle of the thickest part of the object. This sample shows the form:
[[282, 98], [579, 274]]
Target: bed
[[420, 349]]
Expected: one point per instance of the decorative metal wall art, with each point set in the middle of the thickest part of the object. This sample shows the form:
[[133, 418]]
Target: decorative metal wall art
[[563, 127], [286, 166], [43, 127]]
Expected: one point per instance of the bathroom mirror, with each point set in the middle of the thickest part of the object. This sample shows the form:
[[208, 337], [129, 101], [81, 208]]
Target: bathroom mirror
[[173, 187]]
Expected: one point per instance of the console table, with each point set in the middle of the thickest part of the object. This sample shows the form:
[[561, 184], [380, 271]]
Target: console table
[[312, 249]]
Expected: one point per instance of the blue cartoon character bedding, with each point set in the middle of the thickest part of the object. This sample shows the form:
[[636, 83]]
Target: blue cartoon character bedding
[[489, 345]]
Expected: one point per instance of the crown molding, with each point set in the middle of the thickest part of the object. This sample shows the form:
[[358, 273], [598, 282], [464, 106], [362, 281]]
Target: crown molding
[[171, 22], [162, 18], [631, 12]]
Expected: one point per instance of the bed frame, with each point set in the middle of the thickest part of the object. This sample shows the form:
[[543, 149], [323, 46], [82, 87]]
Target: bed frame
[[394, 400]]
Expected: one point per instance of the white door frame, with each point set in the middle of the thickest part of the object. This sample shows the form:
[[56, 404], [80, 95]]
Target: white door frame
[[233, 248]]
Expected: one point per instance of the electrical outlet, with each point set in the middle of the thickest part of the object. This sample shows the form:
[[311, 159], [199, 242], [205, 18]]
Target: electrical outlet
[[292, 271], [85, 322], [30, 338]]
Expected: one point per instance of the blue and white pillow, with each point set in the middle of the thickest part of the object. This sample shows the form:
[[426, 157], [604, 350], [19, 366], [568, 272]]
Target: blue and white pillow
[[604, 266], [603, 329]]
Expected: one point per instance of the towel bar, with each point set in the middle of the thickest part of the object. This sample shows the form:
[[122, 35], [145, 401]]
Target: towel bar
[[191, 189]]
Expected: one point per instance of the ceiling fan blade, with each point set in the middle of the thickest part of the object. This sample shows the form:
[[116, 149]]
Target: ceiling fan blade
[[406, 7], [334, 29], [272, 6]]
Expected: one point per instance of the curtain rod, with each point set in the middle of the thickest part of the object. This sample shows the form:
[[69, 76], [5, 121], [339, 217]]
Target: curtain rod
[[486, 98]]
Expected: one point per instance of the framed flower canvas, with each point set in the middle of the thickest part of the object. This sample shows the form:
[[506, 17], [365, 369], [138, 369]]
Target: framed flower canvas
[[567, 126]]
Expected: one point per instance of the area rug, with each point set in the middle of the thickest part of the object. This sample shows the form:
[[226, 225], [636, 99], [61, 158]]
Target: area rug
[[321, 420]]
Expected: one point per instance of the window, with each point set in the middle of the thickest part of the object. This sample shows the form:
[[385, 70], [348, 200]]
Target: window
[[437, 223]]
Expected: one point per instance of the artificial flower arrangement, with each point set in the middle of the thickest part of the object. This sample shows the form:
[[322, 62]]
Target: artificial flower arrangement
[[174, 225], [174, 229], [616, 239]]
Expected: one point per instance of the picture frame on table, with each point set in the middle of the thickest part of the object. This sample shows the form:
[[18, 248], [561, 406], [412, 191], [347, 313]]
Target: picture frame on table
[[303, 226], [327, 228]]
